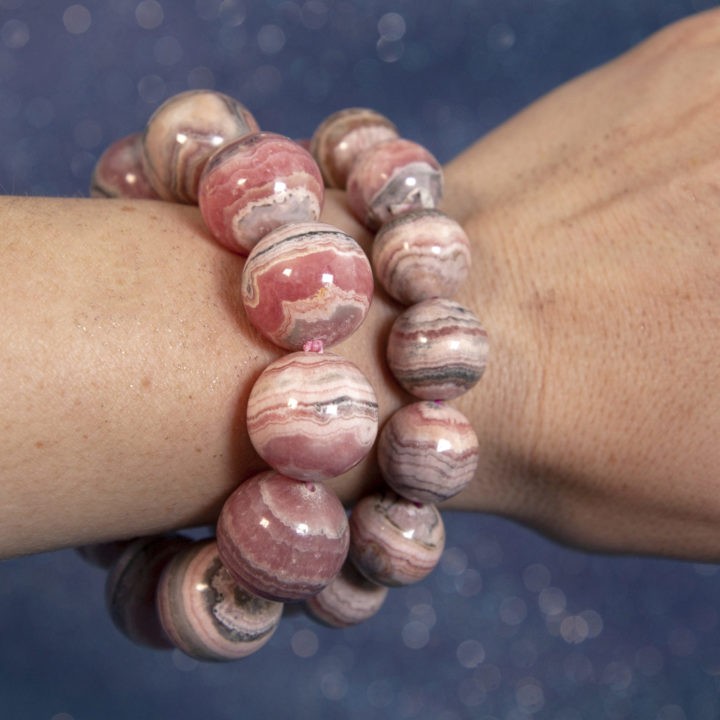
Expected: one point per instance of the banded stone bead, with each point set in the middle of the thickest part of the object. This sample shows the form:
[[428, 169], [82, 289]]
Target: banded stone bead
[[394, 541], [304, 282], [131, 587], [392, 178], [282, 539], [437, 349], [312, 416], [206, 614], [119, 172], [421, 255], [428, 452], [255, 184], [342, 136], [348, 599], [183, 133]]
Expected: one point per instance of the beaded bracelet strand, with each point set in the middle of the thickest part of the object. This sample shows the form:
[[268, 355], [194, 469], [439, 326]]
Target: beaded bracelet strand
[[282, 535]]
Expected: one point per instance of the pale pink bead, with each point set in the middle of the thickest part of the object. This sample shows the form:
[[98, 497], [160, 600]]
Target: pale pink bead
[[348, 599], [437, 349], [206, 614], [312, 416], [428, 452], [308, 281], [394, 541], [341, 137], [255, 184], [131, 587], [183, 133], [282, 539], [119, 172], [421, 255], [392, 178]]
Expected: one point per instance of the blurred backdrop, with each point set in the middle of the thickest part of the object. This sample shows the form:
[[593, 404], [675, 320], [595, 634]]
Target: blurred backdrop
[[510, 626]]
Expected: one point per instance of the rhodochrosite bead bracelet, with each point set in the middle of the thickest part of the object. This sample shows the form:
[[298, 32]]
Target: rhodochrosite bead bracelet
[[283, 535]]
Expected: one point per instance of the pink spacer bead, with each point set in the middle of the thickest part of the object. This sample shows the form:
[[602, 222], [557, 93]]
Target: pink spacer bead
[[282, 539], [348, 599], [394, 541], [421, 255], [428, 452], [342, 136], [131, 587], [183, 133], [312, 416], [392, 178], [119, 172], [255, 184], [308, 281], [206, 614], [437, 349]]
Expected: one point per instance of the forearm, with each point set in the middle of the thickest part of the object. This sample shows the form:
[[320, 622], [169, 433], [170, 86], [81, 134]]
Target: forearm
[[126, 364]]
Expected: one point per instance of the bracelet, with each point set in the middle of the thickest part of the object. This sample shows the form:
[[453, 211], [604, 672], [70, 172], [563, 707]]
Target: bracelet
[[282, 535]]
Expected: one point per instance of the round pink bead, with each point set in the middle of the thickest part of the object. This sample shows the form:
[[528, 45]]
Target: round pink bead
[[255, 184], [437, 349], [119, 172], [183, 133], [341, 137], [307, 282], [312, 416], [392, 178], [282, 539], [428, 452], [131, 587], [394, 541], [206, 614], [348, 599], [421, 255]]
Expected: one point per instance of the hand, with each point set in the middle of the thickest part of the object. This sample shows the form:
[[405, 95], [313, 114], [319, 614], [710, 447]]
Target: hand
[[595, 217]]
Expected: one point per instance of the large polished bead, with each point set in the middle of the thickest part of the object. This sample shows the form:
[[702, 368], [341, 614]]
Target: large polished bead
[[342, 136], [282, 539], [255, 184], [312, 416], [421, 255], [182, 134], [428, 452], [348, 599], [392, 178], [394, 541], [305, 282], [206, 614], [437, 349], [119, 172], [131, 586]]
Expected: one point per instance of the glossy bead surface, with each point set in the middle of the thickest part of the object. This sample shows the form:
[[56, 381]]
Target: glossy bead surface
[[428, 452], [183, 133], [348, 599], [282, 539], [392, 178], [255, 184], [312, 416], [206, 614], [437, 349], [119, 172], [131, 588], [306, 282], [342, 136], [395, 541], [421, 255]]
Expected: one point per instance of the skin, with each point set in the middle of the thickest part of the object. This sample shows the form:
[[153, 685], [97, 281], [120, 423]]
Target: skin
[[125, 358]]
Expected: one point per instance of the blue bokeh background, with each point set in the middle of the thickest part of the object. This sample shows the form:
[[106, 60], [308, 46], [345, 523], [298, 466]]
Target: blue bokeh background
[[510, 626]]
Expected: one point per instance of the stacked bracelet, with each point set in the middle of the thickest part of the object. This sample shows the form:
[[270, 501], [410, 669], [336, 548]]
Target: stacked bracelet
[[282, 535]]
